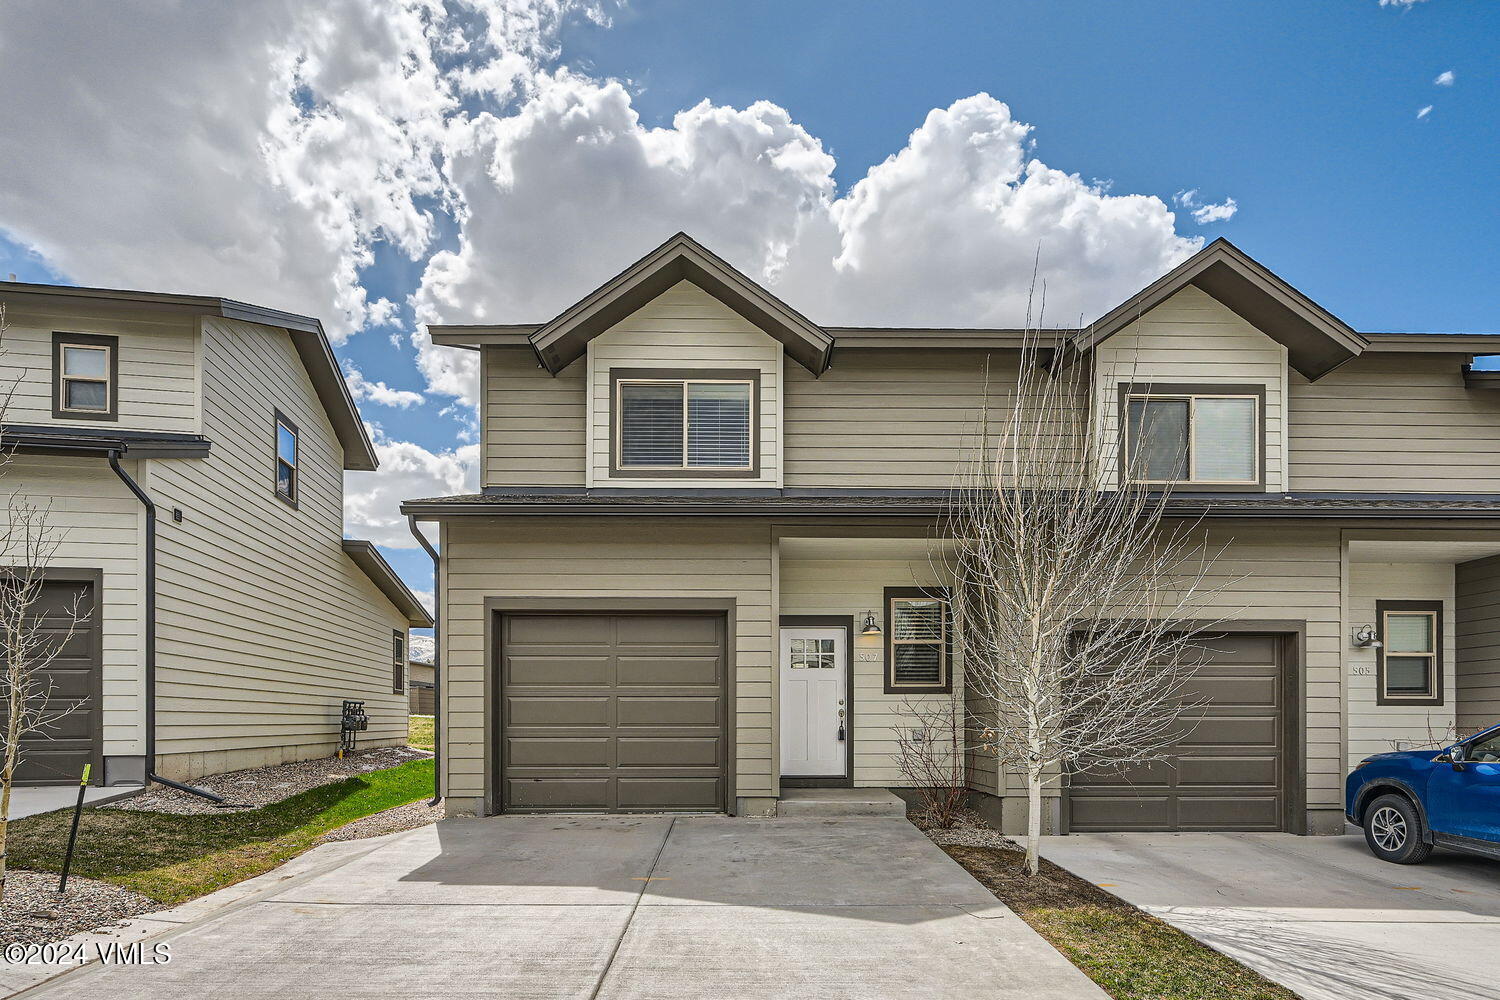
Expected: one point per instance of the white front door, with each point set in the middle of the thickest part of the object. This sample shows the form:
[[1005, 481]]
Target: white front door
[[813, 714]]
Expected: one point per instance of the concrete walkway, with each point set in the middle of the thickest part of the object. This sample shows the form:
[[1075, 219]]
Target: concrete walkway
[[613, 907], [32, 800], [1319, 915]]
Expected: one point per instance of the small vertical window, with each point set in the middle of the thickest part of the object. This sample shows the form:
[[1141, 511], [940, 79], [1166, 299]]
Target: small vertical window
[[287, 475], [398, 662], [86, 370], [1410, 664], [917, 644]]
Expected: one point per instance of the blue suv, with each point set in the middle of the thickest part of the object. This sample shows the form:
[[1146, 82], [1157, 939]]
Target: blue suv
[[1414, 800]]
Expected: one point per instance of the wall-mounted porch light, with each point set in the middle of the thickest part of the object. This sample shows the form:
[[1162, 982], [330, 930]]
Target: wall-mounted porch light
[[870, 627], [1364, 637]]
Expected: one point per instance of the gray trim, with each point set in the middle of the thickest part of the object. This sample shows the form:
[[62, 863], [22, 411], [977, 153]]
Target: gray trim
[[368, 558], [1429, 607], [495, 606], [53, 439], [938, 593], [1128, 389], [845, 622], [681, 258], [61, 339], [751, 375]]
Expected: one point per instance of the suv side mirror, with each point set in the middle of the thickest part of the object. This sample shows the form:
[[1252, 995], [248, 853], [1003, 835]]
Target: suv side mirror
[[1453, 755]]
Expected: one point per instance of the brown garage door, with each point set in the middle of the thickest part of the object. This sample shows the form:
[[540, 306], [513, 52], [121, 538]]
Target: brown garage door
[[1227, 772], [613, 712], [56, 753]]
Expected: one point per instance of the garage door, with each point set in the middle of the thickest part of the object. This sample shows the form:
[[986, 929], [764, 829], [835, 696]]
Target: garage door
[[613, 712], [1226, 774], [56, 754]]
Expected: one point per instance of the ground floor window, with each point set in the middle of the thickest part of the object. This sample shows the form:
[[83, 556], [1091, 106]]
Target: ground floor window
[[1410, 661]]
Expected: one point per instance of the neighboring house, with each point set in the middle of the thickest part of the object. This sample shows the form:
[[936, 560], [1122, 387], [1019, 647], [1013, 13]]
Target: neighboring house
[[235, 423], [419, 683], [702, 546]]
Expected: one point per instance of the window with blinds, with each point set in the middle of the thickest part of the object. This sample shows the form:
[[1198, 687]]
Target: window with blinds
[[916, 642], [1410, 665], [684, 424], [1196, 438]]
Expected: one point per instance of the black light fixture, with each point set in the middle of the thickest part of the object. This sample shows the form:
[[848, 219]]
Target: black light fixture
[[870, 627]]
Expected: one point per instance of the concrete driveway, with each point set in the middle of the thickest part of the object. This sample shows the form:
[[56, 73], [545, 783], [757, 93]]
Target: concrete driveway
[[1319, 915], [615, 907]]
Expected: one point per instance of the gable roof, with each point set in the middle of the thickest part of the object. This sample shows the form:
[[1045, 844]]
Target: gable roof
[[1317, 342], [308, 338], [368, 558], [681, 258]]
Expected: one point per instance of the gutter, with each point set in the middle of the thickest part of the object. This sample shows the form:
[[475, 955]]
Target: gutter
[[437, 660], [140, 494]]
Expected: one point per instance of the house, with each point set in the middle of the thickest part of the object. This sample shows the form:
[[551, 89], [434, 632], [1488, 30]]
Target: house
[[420, 685], [699, 570], [191, 451]]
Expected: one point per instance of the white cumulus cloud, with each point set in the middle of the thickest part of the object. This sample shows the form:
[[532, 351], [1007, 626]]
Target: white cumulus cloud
[[1445, 78], [1203, 213], [407, 472], [379, 393]]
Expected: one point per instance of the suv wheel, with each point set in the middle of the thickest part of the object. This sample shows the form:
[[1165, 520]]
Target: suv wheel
[[1393, 831]]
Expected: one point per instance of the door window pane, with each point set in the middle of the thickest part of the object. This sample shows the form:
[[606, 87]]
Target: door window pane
[[1157, 438], [651, 424], [1224, 435], [718, 424]]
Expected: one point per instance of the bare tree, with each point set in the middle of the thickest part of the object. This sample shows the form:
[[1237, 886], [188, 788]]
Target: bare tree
[[931, 742], [30, 641], [1076, 596]]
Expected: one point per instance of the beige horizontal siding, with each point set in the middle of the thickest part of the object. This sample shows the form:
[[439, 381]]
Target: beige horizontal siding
[[99, 525], [1375, 728], [603, 558], [1193, 338], [255, 657], [158, 366], [852, 586], [533, 421], [1403, 423], [685, 327], [1477, 689]]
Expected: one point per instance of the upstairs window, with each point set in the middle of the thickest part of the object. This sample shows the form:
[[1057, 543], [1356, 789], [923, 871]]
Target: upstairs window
[[1207, 437], [917, 648], [680, 424], [1409, 667], [288, 480], [398, 662], [86, 376]]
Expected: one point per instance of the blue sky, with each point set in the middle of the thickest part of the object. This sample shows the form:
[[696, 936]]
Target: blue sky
[[1305, 114]]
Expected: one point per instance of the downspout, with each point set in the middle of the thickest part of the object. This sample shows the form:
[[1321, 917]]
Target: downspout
[[437, 661], [140, 494]]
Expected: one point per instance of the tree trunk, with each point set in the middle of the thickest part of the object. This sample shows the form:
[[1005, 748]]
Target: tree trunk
[[1033, 822]]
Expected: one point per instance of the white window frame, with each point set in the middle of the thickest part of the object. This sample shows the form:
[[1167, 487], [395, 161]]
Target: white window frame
[[1192, 422], [64, 378], [619, 422]]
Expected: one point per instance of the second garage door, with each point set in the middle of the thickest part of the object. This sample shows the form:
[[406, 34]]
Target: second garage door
[[613, 712], [1228, 771]]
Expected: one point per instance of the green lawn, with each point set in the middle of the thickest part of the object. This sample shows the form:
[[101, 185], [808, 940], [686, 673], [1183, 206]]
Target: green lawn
[[1129, 953], [419, 732], [176, 858]]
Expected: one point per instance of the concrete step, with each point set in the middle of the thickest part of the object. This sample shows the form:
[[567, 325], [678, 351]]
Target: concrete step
[[840, 802]]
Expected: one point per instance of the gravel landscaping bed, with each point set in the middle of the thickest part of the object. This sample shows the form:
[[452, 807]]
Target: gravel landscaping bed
[[407, 817], [33, 913], [261, 786], [969, 831]]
